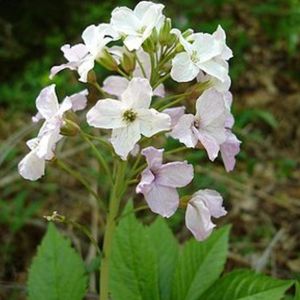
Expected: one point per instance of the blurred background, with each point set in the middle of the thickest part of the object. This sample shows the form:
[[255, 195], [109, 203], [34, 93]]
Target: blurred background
[[262, 194]]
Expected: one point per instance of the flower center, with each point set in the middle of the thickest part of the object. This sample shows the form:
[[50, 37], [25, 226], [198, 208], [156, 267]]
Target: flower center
[[129, 116], [194, 57], [142, 29], [197, 123]]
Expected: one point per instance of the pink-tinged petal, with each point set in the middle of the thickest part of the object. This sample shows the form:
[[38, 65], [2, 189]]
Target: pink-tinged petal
[[136, 150], [183, 131], [138, 93], [64, 106], [124, 139], [215, 69], [37, 117], [175, 174], [79, 100], [85, 66], [210, 106], [124, 20], [56, 69], [47, 103], [74, 53], [47, 143], [152, 121], [153, 156], [162, 200], [183, 69], [206, 47], [209, 143], [144, 7], [212, 200], [133, 42], [33, 143], [229, 149], [175, 114], [229, 122], [147, 179], [31, 167], [220, 36], [160, 91], [115, 85], [107, 113], [145, 60], [198, 220]]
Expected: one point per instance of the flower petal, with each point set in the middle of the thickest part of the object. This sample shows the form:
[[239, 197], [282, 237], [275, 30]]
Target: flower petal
[[215, 69], [138, 93], [183, 69], [175, 114], [47, 103], [198, 220], [153, 156], [162, 200], [175, 174], [152, 121], [124, 139], [74, 53], [133, 42], [124, 20], [31, 167], [115, 85], [79, 100], [212, 200], [229, 149], [85, 66], [147, 179], [107, 113], [183, 131]]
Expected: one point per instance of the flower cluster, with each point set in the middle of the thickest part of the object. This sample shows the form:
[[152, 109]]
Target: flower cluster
[[142, 51]]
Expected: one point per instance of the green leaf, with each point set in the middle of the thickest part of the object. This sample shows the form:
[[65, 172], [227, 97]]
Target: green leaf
[[247, 285], [199, 265], [134, 269], [297, 295], [57, 272], [166, 248]]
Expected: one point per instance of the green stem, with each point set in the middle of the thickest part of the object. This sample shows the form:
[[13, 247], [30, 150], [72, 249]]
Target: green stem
[[170, 104], [114, 204], [141, 66], [98, 155], [123, 74], [161, 80]]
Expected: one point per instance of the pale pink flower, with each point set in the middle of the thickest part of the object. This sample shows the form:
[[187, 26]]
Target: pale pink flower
[[129, 117], [204, 205], [137, 25], [202, 52], [81, 57], [42, 147], [207, 126], [159, 182]]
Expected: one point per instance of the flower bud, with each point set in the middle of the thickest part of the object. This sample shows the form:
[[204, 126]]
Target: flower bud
[[128, 62], [70, 126], [108, 61], [164, 33], [150, 44]]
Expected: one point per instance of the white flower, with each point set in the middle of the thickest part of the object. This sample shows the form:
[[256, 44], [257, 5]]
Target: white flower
[[203, 205], [42, 147], [116, 85], [81, 57], [206, 52], [129, 117], [137, 25], [207, 126]]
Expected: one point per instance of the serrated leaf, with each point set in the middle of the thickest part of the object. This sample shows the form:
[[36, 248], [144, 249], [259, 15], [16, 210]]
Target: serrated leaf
[[57, 272], [247, 285], [134, 269], [199, 265], [166, 248]]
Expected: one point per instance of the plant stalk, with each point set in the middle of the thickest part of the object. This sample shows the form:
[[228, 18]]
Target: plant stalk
[[114, 205]]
